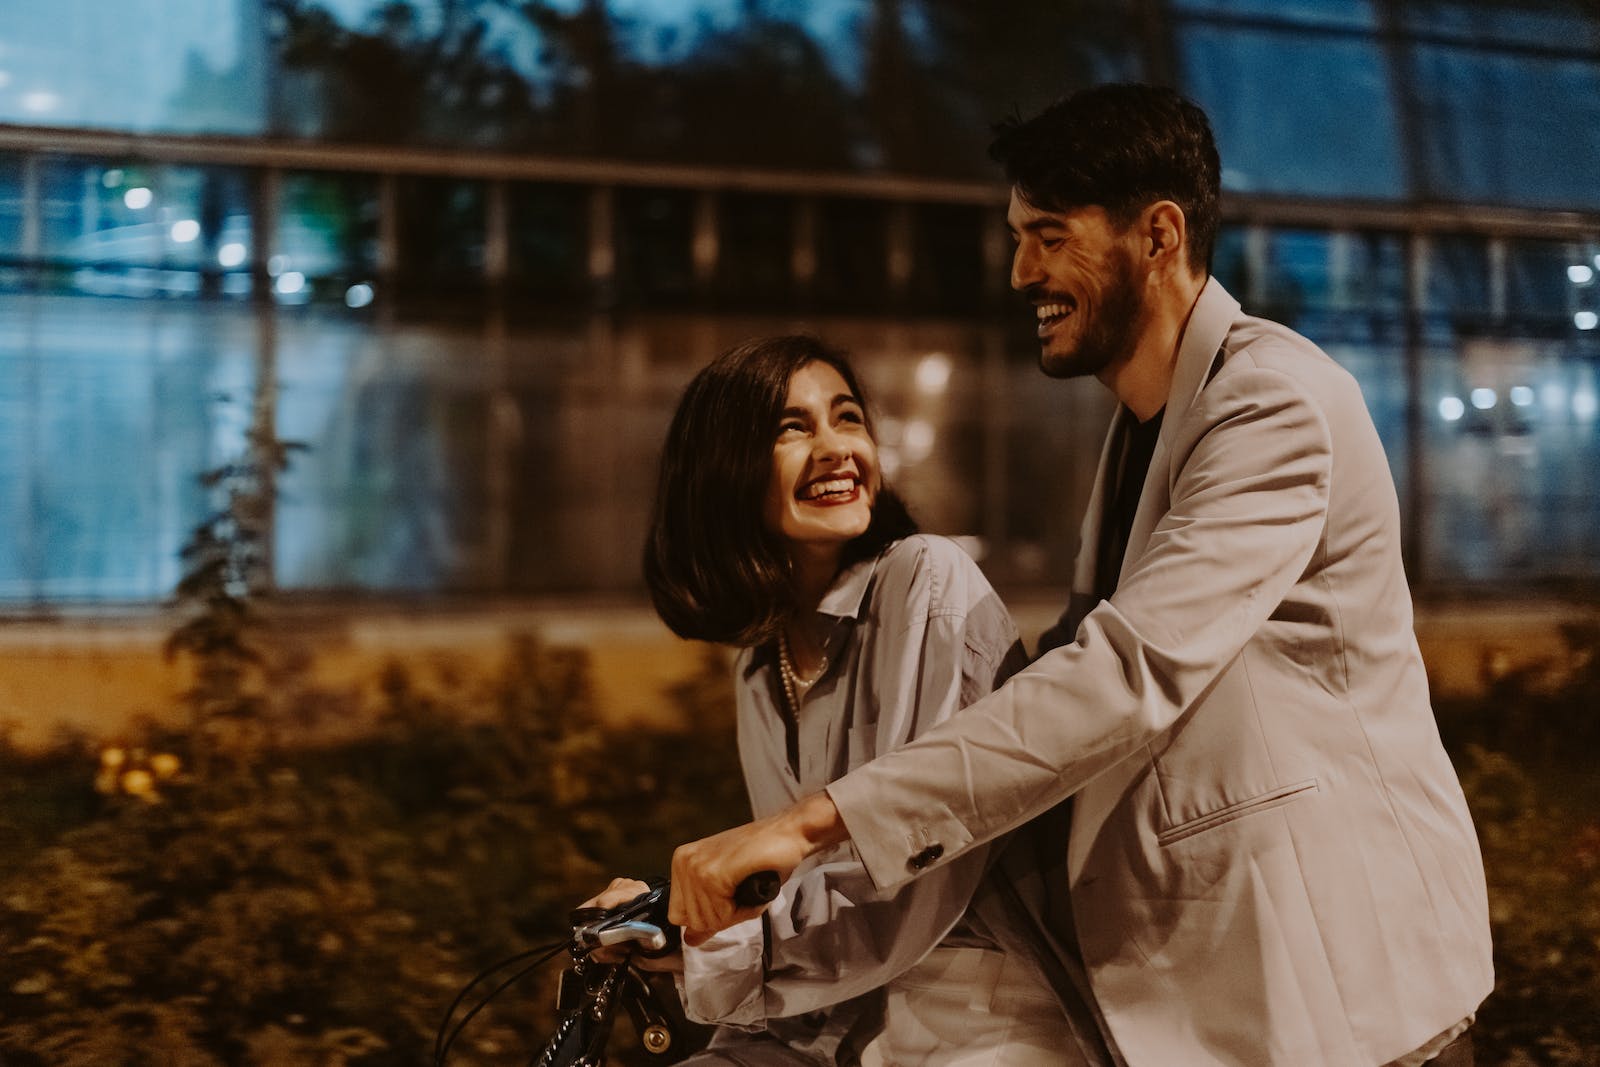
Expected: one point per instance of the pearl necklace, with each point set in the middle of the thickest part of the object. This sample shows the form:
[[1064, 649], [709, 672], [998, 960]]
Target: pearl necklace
[[794, 686]]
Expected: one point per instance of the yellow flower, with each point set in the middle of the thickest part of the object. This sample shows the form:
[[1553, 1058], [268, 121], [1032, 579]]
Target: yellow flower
[[139, 783]]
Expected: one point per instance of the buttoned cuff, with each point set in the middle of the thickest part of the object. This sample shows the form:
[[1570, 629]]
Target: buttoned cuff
[[894, 845]]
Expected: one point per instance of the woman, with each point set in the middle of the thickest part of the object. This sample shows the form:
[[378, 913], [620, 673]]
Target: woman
[[773, 532]]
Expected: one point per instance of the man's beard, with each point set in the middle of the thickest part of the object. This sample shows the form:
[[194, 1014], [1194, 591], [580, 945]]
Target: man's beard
[[1110, 333]]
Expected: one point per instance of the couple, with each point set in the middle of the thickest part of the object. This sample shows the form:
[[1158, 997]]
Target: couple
[[1211, 823]]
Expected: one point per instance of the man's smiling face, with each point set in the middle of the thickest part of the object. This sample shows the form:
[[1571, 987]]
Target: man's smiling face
[[1079, 272]]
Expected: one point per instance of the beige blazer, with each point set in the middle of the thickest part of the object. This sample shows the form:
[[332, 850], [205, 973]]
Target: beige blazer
[[1270, 857]]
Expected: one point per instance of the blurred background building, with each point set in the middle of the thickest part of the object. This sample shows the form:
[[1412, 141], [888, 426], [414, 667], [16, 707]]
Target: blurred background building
[[468, 252]]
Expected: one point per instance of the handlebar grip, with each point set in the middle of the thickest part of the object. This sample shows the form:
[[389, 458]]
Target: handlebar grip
[[757, 889]]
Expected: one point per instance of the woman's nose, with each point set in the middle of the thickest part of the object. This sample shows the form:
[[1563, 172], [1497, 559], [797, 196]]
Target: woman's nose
[[829, 444]]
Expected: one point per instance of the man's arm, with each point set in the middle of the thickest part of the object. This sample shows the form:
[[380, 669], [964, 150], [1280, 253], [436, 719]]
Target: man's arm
[[709, 870], [1246, 514]]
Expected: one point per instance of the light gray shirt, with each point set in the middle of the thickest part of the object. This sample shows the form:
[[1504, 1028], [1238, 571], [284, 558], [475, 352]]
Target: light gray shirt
[[913, 636]]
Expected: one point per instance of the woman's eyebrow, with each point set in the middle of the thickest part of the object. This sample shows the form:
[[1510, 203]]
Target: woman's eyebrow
[[846, 398]]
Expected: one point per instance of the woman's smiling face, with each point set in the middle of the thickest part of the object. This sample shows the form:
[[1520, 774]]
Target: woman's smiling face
[[824, 464]]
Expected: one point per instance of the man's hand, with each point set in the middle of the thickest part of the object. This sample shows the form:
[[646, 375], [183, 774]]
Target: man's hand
[[705, 873]]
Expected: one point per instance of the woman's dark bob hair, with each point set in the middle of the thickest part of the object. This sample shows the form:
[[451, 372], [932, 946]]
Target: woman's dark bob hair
[[715, 572]]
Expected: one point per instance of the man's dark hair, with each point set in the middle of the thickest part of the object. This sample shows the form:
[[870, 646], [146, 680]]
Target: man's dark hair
[[714, 571], [1121, 148]]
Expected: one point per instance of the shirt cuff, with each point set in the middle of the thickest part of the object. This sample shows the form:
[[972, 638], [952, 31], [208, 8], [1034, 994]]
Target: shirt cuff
[[723, 979]]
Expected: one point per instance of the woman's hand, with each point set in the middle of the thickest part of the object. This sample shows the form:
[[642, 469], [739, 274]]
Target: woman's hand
[[618, 893]]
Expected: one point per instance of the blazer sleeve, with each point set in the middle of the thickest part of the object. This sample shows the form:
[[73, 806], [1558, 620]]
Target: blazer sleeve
[[832, 934], [1248, 469]]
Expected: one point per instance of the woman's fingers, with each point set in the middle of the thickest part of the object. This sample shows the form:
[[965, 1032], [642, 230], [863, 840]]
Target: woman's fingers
[[619, 892]]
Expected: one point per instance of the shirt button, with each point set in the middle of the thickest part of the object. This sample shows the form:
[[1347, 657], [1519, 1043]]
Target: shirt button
[[925, 857]]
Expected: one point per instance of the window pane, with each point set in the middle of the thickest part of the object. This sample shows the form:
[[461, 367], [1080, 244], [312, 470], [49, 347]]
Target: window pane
[[109, 412], [756, 250], [947, 259], [390, 494], [1328, 131], [852, 254], [141, 230], [194, 67], [326, 247], [549, 241], [1541, 23], [1356, 13], [1506, 129], [1511, 440], [655, 234], [441, 243]]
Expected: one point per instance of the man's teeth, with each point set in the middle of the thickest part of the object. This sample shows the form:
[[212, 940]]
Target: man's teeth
[[834, 485], [1050, 311]]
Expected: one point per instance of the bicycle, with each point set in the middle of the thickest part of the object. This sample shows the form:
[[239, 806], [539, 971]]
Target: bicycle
[[590, 991]]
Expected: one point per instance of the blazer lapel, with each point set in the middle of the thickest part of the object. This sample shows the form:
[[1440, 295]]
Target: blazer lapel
[[1198, 353]]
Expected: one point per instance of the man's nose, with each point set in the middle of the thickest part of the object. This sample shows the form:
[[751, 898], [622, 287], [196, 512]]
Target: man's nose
[[1024, 268]]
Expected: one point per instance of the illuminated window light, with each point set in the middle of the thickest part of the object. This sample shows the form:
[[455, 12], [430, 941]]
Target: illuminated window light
[[231, 254], [918, 444], [1580, 274], [933, 373], [185, 230], [290, 283], [358, 295], [1521, 396], [138, 198], [1451, 408], [1483, 399], [1586, 320], [40, 101]]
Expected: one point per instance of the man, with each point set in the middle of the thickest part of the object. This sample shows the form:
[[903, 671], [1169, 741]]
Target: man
[[1270, 860]]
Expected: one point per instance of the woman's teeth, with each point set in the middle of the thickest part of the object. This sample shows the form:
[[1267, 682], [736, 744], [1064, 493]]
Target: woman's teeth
[[833, 485]]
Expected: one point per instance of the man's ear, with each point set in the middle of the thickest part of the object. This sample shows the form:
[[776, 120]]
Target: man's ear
[[1165, 232]]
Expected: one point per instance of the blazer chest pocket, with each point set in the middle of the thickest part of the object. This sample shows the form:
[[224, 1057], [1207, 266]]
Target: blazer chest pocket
[[1212, 819]]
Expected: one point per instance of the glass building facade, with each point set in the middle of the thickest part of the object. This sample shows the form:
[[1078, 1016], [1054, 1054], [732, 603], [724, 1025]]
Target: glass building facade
[[468, 254]]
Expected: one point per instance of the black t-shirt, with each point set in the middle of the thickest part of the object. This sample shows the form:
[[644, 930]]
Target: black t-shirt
[[1137, 445]]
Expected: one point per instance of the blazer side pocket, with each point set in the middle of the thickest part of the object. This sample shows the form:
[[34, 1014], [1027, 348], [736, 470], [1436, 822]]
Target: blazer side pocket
[[1212, 819]]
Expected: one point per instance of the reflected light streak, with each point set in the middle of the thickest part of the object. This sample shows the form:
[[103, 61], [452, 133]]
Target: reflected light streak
[[1451, 408]]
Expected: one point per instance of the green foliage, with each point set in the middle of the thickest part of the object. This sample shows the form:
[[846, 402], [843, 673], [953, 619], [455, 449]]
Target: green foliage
[[1543, 861], [323, 906]]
